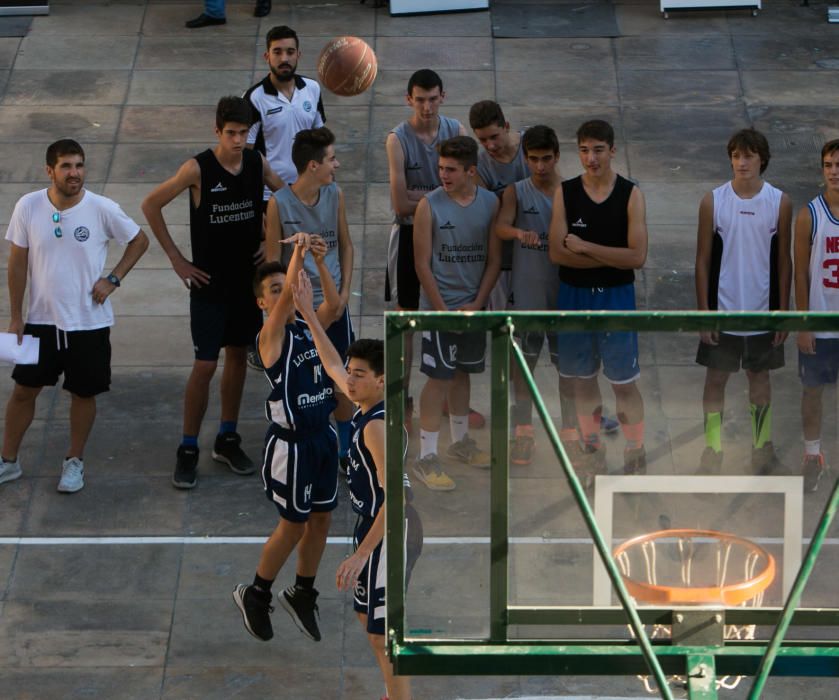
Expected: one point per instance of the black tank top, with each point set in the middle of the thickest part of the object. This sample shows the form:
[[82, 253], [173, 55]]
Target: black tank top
[[225, 230], [606, 224]]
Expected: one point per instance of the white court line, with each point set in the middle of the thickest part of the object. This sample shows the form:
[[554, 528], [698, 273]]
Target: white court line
[[140, 539]]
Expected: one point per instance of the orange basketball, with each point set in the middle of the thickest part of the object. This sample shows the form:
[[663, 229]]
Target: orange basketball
[[347, 66]]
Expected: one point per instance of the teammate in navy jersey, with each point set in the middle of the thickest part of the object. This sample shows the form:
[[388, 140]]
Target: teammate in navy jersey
[[363, 380], [315, 203], [225, 221], [300, 468], [599, 237], [816, 252], [742, 264]]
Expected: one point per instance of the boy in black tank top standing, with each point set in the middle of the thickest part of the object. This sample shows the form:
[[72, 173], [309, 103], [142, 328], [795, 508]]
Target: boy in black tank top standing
[[225, 218], [599, 237]]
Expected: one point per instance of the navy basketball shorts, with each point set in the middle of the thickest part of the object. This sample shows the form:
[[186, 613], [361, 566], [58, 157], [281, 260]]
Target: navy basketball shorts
[[217, 324], [369, 590], [444, 352], [581, 353], [755, 353], [531, 343], [341, 333], [301, 476], [821, 368], [84, 357]]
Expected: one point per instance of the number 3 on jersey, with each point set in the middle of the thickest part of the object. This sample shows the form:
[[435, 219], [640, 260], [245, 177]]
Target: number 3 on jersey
[[831, 279]]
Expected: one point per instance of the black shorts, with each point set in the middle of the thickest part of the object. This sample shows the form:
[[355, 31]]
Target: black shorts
[[443, 352], [755, 353], [407, 282], [83, 356], [217, 324]]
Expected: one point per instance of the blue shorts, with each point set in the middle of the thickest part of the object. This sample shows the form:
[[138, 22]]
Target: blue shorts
[[301, 476], [581, 353], [821, 368], [369, 590]]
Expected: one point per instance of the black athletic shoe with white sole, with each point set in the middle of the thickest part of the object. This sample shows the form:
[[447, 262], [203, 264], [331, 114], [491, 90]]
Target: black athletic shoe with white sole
[[186, 468], [256, 609], [300, 604], [227, 451]]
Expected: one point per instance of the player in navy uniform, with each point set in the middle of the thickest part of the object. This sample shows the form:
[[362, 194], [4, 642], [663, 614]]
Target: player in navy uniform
[[315, 204], [742, 264], [363, 381], [599, 237], [225, 221], [816, 254], [300, 469]]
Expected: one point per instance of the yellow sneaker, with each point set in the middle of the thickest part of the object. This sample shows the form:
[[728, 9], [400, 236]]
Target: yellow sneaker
[[428, 471]]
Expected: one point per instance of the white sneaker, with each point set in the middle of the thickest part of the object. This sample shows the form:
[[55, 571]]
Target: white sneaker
[[9, 471], [72, 475]]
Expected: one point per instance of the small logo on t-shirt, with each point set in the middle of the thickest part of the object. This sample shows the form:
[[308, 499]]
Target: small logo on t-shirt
[[530, 210], [307, 106], [81, 234], [292, 223], [747, 213], [275, 110], [219, 188], [579, 223], [413, 166], [448, 225]]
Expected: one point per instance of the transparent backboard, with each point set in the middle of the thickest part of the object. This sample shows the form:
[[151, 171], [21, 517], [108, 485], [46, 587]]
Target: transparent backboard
[[753, 490]]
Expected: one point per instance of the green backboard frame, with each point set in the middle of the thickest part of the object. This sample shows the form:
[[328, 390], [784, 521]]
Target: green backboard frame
[[499, 655]]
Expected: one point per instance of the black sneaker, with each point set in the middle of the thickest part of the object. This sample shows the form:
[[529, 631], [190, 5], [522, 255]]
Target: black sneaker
[[710, 462], [764, 460], [186, 468], [634, 461], [300, 604], [254, 361], [255, 608], [813, 468], [227, 451]]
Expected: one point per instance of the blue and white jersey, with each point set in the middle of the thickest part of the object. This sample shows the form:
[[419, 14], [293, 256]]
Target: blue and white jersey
[[301, 397], [366, 493]]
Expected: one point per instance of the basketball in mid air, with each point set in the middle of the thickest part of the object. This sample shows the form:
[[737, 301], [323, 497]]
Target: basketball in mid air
[[347, 66]]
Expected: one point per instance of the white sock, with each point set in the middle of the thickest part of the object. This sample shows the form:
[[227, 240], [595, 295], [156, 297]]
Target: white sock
[[459, 426], [428, 442], [812, 447]]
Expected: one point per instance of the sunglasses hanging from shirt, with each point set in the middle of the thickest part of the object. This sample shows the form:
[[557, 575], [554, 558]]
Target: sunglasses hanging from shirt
[[56, 219]]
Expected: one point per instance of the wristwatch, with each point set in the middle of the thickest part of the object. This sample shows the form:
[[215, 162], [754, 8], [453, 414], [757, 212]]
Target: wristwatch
[[113, 279]]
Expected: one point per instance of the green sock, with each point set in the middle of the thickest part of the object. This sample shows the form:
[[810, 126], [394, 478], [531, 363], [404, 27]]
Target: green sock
[[761, 424], [713, 433]]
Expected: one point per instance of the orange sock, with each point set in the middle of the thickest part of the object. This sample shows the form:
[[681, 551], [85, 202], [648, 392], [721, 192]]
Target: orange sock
[[590, 428]]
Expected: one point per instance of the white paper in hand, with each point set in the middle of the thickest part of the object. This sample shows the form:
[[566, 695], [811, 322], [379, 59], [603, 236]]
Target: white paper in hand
[[25, 354]]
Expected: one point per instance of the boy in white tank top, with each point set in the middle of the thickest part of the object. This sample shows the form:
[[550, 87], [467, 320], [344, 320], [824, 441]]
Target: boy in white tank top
[[742, 264], [816, 252]]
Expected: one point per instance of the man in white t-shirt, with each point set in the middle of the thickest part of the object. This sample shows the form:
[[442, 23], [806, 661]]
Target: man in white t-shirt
[[59, 241]]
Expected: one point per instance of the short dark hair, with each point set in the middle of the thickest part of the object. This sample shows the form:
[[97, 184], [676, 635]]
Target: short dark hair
[[486, 113], [750, 140], [233, 109], [598, 130], [370, 350], [281, 32], [264, 271], [426, 79], [830, 148], [309, 145], [464, 149], [538, 138], [63, 147]]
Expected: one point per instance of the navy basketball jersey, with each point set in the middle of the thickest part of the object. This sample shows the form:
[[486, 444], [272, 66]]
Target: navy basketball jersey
[[366, 493], [301, 397]]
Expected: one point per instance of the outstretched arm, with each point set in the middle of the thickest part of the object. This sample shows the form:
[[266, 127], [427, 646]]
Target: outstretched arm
[[329, 357]]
